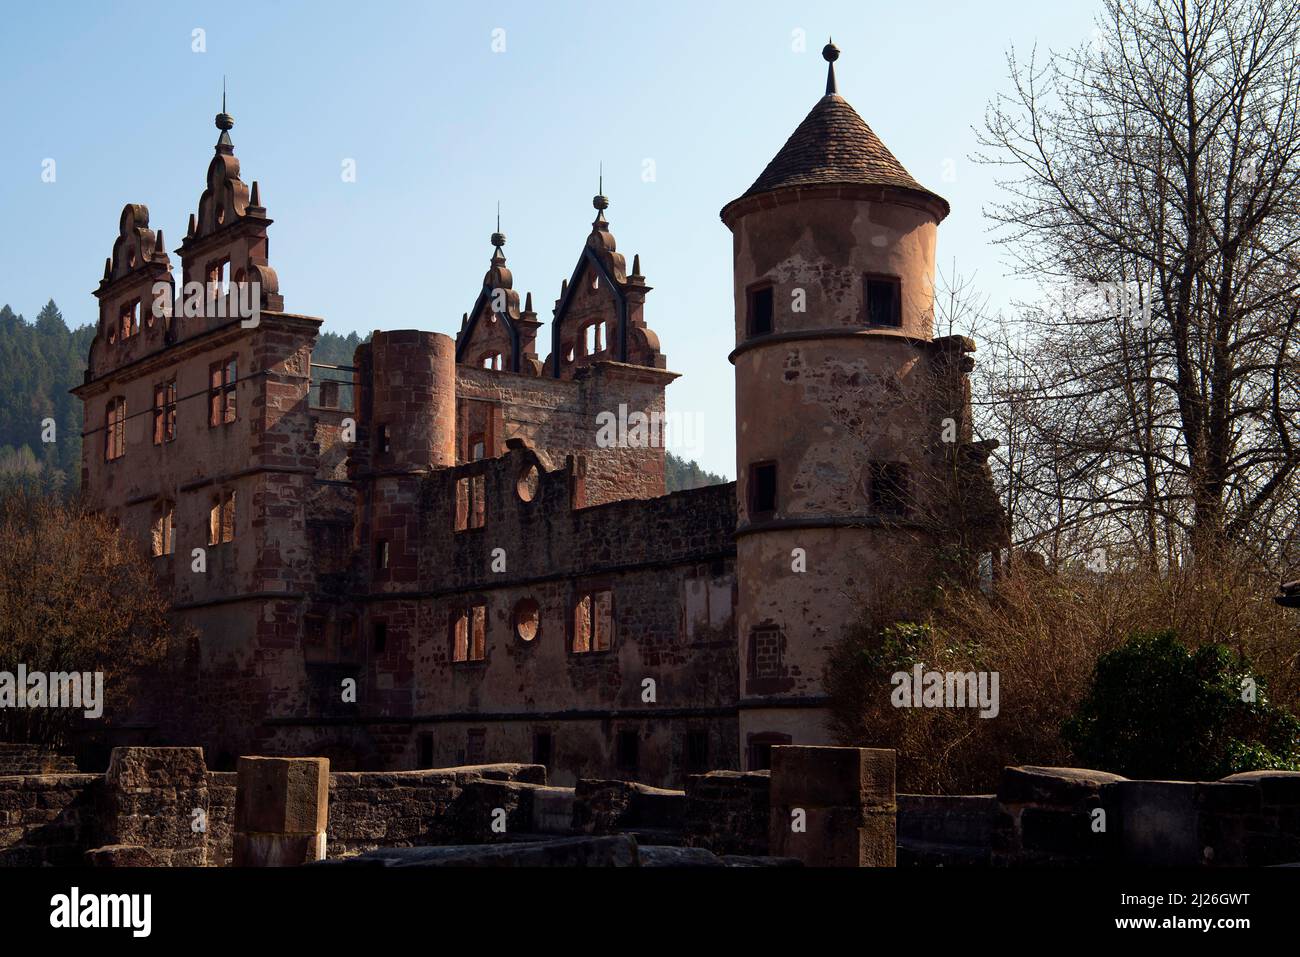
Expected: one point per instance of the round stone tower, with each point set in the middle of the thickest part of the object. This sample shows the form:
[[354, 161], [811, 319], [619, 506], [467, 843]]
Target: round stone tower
[[836, 421]]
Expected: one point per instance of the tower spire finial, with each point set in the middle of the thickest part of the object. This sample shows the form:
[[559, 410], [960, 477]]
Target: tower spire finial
[[498, 238], [830, 53], [600, 200]]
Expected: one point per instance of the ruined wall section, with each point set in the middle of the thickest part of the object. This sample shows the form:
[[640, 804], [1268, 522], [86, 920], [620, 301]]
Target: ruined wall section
[[560, 417], [665, 567]]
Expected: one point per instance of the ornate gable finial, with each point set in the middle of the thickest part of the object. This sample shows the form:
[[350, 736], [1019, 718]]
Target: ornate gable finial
[[830, 53], [225, 122], [601, 240], [498, 257], [498, 276], [601, 202], [226, 198]]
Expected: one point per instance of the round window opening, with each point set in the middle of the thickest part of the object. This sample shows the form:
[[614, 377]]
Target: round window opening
[[528, 616], [527, 484]]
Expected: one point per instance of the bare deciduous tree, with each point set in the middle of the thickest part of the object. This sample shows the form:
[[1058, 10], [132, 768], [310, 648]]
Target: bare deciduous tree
[[1162, 158]]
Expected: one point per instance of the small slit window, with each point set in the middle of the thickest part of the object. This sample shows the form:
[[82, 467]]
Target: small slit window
[[762, 488], [761, 310], [629, 751]]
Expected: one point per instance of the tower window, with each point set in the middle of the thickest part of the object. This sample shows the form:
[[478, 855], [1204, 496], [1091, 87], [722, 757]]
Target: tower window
[[889, 488], [542, 748], [628, 754], [381, 636], [761, 310], [476, 746], [766, 653], [381, 553], [884, 301], [762, 488], [425, 759], [697, 752]]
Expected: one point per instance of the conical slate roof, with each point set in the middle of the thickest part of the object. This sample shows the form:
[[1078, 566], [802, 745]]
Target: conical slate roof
[[833, 146]]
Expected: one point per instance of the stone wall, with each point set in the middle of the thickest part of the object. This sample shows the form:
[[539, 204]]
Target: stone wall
[[33, 759], [945, 830], [728, 812], [1073, 816], [47, 819], [143, 811]]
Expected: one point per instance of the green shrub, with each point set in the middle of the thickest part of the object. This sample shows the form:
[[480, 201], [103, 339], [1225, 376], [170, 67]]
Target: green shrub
[[1158, 710]]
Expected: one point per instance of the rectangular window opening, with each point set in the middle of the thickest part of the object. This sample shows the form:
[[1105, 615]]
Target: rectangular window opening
[[593, 621], [542, 747], [221, 518], [629, 751], [762, 488], [889, 488], [115, 429], [222, 380], [884, 301], [761, 310], [697, 752], [164, 412], [469, 633]]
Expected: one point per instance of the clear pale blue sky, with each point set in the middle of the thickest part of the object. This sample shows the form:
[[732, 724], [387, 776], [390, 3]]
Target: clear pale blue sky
[[441, 128]]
